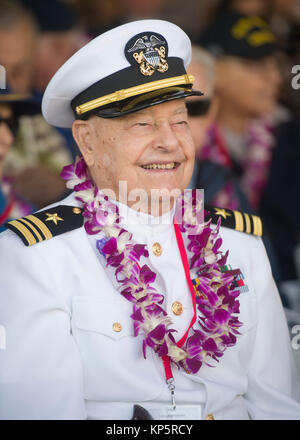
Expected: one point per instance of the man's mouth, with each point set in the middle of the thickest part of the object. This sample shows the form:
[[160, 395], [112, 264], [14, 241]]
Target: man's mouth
[[161, 166]]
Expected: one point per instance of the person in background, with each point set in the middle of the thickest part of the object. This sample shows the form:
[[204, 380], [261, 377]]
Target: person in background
[[202, 115], [39, 151], [202, 112], [59, 37], [247, 87], [280, 205], [11, 105], [283, 16], [18, 42], [261, 8], [252, 146], [210, 174], [98, 16]]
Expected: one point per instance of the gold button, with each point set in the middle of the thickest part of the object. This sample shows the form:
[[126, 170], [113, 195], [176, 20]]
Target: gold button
[[209, 417], [117, 327], [156, 248], [76, 210], [177, 308]]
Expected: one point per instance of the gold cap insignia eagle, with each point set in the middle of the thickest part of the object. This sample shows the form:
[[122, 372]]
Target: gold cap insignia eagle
[[149, 57]]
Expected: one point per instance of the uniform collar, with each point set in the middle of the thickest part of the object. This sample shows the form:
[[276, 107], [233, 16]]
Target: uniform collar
[[136, 221]]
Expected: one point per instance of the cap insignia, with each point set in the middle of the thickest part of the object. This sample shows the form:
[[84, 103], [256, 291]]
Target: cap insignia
[[149, 50], [254, 29]]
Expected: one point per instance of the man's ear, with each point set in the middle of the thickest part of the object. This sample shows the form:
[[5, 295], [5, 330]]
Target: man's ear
[[83, 135]]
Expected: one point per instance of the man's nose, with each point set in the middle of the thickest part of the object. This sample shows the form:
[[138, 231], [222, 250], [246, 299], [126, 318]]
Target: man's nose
[[165, 138]]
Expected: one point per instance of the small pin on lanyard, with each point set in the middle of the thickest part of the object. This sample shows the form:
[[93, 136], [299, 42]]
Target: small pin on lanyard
[[171, 386]]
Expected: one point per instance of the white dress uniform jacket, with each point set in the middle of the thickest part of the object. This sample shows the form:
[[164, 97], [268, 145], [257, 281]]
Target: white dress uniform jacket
[[63, 359]]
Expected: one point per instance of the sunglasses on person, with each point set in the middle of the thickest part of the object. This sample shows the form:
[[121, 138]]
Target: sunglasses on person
[[198, 108], [11, 122]]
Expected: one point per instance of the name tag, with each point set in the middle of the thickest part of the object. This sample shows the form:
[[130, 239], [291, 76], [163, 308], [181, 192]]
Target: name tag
[[181, 412]]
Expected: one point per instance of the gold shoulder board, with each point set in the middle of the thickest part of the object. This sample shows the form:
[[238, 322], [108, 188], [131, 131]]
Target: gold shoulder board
[[240, 221], [46, 224]]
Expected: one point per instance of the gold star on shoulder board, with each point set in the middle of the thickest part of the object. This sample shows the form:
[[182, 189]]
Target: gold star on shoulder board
[[222, 212], [53, 217]]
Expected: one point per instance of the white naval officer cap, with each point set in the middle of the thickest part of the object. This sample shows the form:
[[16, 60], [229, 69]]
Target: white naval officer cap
[[130, 67]]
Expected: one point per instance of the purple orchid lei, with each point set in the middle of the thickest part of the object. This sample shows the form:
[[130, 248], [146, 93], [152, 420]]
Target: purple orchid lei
[[216, 300]]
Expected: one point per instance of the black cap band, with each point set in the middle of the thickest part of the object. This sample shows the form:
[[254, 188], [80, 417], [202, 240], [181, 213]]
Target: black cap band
[[124, 79]]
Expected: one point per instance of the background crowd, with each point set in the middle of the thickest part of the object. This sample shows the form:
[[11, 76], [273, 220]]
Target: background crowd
[[247, 135]]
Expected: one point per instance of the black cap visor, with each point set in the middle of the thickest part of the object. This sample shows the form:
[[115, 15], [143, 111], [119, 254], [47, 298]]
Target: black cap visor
[[136, 103]]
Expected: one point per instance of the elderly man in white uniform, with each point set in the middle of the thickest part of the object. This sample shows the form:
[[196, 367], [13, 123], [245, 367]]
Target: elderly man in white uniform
[[112, 311]]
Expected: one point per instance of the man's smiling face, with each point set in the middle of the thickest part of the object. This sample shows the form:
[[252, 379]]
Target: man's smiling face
[[150, 149]]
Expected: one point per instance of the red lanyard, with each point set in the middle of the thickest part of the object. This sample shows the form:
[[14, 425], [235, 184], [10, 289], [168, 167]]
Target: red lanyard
[[5, 214], [184, 259]]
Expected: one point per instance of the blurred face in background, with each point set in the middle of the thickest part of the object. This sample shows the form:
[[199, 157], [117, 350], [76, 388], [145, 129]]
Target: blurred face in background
[[264, 7], [53, 50], [200, 116], [248, 88], [285, 6], [6, 136], [17, 52], [252, 7], [142, 8]]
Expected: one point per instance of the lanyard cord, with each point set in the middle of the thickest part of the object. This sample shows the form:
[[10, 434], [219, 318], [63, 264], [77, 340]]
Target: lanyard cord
[[5, 214], [166, 359]]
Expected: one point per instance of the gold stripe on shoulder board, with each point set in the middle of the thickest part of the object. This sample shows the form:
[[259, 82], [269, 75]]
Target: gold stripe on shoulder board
[[257, 225], [24, 231], [239, 221], [33, 229], [43, 228], [248, 223]]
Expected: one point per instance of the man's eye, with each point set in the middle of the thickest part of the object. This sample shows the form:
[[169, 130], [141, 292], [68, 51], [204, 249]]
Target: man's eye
[[181, 123], [141, 124]]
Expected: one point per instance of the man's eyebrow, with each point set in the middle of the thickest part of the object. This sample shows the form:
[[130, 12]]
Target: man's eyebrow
[[133, 115], [136, 114]]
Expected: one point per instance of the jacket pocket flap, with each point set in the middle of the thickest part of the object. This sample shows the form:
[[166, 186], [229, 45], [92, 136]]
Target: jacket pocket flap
[[110, 318]]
